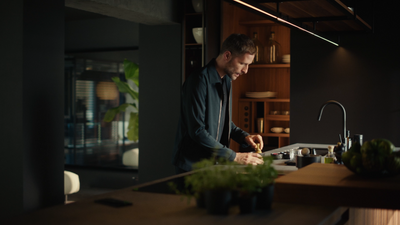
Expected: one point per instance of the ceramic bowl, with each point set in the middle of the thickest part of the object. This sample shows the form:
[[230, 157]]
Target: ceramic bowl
[[285, 112], [287, 130], [277, 129], [274, 112], [198, 34], [197, 5]]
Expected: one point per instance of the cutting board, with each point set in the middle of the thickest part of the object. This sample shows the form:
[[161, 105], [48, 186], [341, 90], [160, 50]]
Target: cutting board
[[335, 185]]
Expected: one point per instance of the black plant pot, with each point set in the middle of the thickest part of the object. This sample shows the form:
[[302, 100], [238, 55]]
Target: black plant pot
[[218, 201], [201, 200], [247, 203], [235, 197], [265, 197]]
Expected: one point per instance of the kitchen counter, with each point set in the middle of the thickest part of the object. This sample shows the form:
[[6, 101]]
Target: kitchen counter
[[279, 164], [156, 208], [335, 185]]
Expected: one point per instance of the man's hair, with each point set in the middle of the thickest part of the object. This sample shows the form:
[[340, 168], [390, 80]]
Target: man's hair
[[238, 44]]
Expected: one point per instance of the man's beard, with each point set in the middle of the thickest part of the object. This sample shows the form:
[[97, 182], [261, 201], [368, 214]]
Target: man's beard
[[230, 71]]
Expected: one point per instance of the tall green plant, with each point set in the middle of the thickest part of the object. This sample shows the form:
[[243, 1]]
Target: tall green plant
[[131, 73]]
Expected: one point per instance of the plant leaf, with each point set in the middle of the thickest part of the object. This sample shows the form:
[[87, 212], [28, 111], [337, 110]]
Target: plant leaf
[[124, 87], [131, 71], [110, 114], [133, 127]]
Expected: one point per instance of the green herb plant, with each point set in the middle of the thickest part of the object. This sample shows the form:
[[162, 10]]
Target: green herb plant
[[131, 73], [253, 178], [221, 174]]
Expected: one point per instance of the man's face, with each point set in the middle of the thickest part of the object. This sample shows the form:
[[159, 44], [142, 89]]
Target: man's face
[[238, 65]]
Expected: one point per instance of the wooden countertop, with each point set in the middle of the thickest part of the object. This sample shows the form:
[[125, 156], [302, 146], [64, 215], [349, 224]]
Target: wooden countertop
[[155, 208], [335, 185]]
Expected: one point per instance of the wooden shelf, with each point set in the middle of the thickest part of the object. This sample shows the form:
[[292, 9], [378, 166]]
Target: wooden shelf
[[193, 44], [264, 100], [264, 66], [274, 134], [278, 117]]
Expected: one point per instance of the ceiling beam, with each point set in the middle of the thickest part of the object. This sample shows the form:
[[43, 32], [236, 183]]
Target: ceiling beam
[[148, 12]]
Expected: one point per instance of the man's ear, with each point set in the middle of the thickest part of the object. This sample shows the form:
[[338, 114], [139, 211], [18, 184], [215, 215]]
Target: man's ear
[[227, 56]]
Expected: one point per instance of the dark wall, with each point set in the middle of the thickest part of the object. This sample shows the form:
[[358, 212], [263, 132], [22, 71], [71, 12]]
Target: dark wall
[[32, 67], [160, 82], [363, 74]]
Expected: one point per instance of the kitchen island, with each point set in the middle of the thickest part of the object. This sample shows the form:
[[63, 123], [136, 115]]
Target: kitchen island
[[156, 208], [315, 194]]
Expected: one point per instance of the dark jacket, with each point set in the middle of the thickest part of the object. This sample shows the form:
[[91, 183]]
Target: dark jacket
[[199, 126]]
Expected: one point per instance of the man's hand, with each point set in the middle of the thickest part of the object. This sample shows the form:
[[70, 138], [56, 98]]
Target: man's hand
[[253, 139], [248, 158]]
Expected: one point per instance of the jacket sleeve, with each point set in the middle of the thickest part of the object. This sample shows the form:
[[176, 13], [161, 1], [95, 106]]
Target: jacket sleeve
[[239, 135], [194, 116]]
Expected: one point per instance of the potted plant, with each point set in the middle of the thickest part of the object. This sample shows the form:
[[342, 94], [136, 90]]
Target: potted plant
[[215, 180], [131, 73], [255, 186], [213, 183]]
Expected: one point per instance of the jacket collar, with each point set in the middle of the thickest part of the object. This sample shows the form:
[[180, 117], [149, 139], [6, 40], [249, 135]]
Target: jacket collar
[[214, 76]]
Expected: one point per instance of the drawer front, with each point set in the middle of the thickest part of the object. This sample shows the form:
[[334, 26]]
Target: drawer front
[[245, 116]]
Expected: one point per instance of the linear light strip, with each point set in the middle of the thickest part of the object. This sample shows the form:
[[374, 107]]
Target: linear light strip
[[284, 21]]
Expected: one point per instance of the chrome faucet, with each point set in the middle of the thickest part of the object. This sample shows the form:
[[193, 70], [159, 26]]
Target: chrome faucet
[[344, 141]]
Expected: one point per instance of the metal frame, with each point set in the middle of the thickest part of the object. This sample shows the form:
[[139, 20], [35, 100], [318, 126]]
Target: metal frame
[[278, 17]]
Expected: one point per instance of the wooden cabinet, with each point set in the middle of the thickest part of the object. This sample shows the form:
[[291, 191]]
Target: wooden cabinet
[[260, 78]]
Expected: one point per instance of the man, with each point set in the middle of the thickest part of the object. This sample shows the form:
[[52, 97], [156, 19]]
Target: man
[[205, 126]]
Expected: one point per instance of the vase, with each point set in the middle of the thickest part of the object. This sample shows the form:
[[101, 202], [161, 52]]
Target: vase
[[218, 201], [265, 197]]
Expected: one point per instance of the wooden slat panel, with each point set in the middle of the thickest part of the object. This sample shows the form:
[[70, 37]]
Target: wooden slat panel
[[363, 216]]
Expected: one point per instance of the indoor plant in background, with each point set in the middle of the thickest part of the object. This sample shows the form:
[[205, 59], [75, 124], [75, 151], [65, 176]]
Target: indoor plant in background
[[131, 70]]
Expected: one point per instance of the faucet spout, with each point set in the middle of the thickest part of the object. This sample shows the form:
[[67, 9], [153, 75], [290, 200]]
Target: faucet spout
[[344, 118]]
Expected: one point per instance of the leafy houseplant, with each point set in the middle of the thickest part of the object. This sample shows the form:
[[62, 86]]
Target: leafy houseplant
[[131, 73]]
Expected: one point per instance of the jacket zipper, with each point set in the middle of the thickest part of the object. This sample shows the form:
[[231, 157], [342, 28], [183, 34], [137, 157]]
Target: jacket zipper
[[229, 113], [219, 118]]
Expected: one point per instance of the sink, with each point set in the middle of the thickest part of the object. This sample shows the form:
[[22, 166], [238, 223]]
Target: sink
[[319, 151]]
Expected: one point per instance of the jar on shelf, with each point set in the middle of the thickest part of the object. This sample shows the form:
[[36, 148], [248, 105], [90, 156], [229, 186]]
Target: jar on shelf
[[273, 50], [259, 55]]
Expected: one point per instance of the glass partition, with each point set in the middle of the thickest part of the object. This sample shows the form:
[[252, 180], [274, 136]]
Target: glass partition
[[90, 92]]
